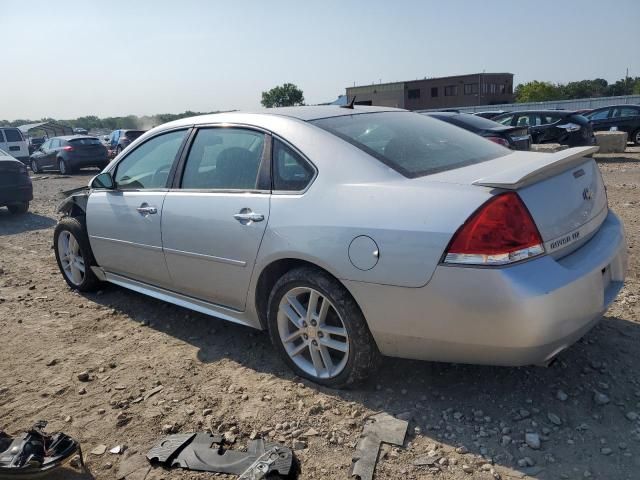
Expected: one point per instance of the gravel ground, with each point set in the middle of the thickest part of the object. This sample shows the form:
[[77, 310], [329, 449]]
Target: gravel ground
[[579, 418]]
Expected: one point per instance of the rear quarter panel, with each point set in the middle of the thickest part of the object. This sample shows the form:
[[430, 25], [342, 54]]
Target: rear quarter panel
[[411, 221]]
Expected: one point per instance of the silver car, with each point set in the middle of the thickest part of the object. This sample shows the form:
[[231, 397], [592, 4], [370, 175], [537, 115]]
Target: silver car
[[352, 233]]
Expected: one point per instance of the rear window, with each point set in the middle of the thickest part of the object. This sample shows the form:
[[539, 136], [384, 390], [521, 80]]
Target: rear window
[[133, 134], [85, 141], [13, 135], [412, 144]]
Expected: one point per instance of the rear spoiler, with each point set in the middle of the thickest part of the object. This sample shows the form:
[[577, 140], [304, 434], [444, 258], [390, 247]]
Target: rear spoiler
[[538, 167]]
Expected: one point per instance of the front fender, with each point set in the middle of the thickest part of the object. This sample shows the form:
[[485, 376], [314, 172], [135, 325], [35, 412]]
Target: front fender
[[75, 203]]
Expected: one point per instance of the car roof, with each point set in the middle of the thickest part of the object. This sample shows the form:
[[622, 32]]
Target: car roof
[[305, 113], [548, 111], [617, 106]]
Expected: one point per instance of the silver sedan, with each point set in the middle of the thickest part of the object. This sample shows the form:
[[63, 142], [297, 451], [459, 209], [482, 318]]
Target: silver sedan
[[353, 233]]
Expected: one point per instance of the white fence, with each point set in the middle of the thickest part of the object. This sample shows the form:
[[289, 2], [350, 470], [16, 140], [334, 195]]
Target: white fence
[[578, 104]]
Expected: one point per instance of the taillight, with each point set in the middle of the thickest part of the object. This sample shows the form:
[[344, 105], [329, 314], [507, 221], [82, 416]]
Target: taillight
[[499, 141], [68, 148], [500, 232]]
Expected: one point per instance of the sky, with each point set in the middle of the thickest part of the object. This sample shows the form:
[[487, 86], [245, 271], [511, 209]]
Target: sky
[[65, 59]]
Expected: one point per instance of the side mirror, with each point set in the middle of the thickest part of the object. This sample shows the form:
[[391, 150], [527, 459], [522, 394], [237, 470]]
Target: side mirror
[[103, 181]]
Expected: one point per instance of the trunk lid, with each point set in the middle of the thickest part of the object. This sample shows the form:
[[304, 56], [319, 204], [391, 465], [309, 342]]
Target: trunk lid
[[563, 191]]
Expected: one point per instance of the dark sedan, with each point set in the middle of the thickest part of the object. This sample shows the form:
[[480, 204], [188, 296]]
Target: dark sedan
[[625, 118], [516, 138], [552, 126], [69, 153], [16, 190]]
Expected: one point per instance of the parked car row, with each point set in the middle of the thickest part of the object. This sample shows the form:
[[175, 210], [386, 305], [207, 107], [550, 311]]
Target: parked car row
[[69, 153], [568, 127], [552, 126], [516, 138]]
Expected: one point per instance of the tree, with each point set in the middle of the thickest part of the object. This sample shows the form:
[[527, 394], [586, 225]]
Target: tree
[[536, 91], [286, 95]]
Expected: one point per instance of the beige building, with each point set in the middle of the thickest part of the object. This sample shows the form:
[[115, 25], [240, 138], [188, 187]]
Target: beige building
[[443, 92]]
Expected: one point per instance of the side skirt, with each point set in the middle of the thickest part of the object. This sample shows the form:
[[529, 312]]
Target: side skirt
[[181, 300]]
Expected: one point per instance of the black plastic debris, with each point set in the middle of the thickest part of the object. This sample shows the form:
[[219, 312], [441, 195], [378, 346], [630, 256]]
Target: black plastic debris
[[208, 453], [35, 454], [380, 428]]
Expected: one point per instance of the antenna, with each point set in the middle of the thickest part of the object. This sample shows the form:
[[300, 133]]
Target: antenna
[[350, 104]]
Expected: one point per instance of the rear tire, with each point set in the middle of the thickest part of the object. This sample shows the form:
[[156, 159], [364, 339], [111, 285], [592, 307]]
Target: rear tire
[[74, 255], [19, 208], [63, 167], [34, 166], [317, 342]]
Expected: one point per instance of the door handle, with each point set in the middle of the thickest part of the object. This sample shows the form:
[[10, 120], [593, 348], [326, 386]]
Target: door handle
[[145, 210], [246, 216]]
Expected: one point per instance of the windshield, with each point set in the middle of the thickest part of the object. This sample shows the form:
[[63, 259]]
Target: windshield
[[412, 144]]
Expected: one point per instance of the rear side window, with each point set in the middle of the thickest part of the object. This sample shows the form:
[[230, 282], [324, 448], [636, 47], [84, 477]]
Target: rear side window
[[626, 112], [224, 158], [85, 141], [13, 135], [412, 144], [290, 171]]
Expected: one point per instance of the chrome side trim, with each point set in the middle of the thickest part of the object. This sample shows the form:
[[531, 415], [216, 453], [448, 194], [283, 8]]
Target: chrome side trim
[[181, 300], [230, 261], [125, 242]]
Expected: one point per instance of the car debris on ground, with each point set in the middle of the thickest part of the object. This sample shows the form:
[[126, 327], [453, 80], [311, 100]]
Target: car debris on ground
[[380, 428], [206, 452], [36, 454]]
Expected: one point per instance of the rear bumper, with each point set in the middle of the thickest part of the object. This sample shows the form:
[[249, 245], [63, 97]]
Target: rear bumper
[[518, 315], [16, 194], [96, 161]]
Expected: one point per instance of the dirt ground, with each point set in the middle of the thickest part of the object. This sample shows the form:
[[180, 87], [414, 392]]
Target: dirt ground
[[466, 421]]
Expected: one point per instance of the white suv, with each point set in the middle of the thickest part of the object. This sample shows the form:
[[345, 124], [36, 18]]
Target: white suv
[[13, 142]]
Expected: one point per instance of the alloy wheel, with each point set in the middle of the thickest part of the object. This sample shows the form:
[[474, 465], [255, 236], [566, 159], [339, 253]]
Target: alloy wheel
[[71, 258], [34, 166], [63, 167], [313, 333]]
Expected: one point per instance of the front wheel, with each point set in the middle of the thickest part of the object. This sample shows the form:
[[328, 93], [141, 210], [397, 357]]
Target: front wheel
[[74, 256], [635, 137], [34, 166], [319, 330]]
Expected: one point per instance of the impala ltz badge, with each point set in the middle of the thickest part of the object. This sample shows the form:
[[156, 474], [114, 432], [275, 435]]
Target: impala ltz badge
[[587, 194]]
